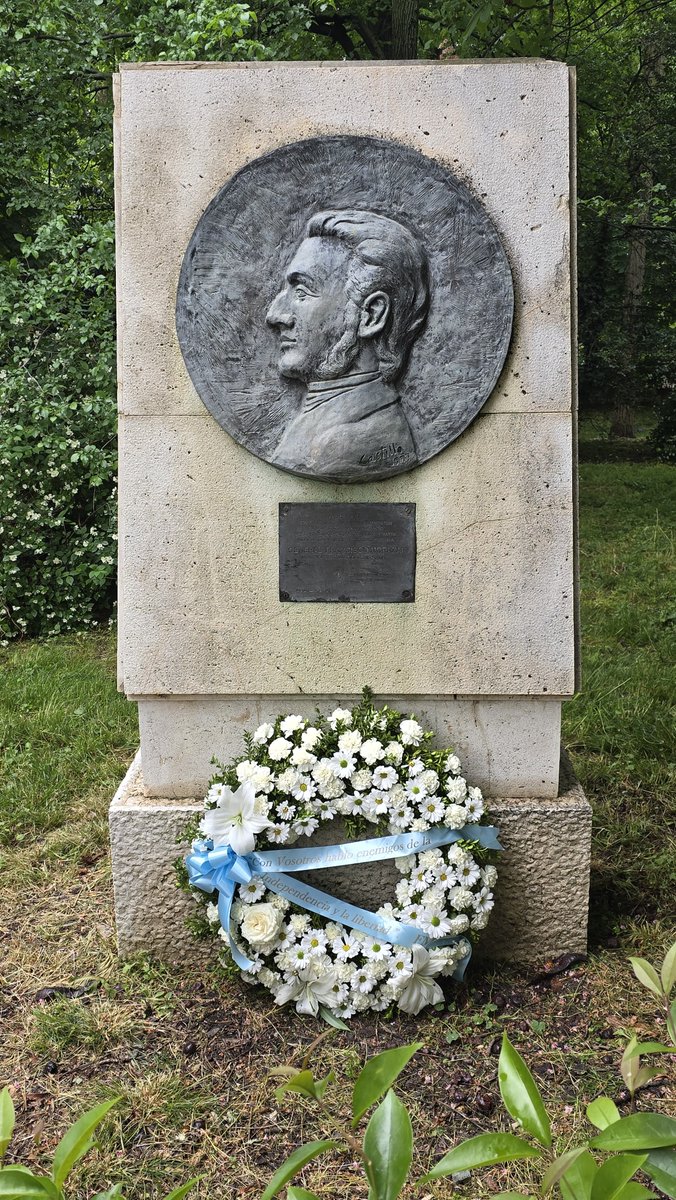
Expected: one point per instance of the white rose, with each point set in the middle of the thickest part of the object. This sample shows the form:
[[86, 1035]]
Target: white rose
[[263, 733], [411, 733], [280, 748], [261, 926]]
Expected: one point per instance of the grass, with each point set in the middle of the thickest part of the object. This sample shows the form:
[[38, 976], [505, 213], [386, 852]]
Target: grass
[[188, 1050]]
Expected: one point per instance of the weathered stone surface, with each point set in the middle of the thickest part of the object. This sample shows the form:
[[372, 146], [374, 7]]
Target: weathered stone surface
[[541, 896], [510, 745], [199, 601]]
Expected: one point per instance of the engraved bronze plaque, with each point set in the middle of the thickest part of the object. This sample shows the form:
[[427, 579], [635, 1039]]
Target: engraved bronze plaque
[[347, 553]]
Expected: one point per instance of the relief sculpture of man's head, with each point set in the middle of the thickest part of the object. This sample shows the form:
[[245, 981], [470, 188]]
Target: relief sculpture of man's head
[[354, 298]]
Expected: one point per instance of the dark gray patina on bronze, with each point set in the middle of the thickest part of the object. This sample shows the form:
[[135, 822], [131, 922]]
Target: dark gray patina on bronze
[[344, 308], [347, 553]]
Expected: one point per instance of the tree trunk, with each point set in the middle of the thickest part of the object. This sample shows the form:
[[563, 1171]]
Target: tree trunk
[[405, 28]]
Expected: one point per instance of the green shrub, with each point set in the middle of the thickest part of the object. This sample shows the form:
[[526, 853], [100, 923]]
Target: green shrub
[[57, 431]]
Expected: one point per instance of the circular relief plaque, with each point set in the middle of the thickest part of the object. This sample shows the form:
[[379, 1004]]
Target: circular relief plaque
[[344, 308]]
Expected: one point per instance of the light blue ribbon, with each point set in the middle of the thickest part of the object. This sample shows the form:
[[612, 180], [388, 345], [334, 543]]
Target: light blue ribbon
[[220, 869]]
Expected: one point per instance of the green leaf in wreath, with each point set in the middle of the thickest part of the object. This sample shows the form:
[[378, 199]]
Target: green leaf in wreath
[[485, 1150], [378, 1075], [614, 1174], [388, 1144], [7, 1118], [602, 1112], [639, 1131], [520, 1094], [77, 1141], [295, 1163]]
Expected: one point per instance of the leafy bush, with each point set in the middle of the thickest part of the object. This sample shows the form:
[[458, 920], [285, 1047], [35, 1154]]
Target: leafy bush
[[57, 432]]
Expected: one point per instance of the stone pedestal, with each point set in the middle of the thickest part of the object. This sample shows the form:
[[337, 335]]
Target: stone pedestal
[[541, 896], [208, 644]]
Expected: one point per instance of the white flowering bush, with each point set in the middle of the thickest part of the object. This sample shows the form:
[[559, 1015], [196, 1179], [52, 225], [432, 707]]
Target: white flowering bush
[[378, 772]]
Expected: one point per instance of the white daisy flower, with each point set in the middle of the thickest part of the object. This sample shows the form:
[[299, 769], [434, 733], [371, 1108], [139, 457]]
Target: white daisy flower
[[437, 923], [483, 900], [305, 825], [343, 764], [279, 833], [251, 891], [286, 811], [384, 777], [432, 809], [376, 803], [305, 789], [363, 979], [346, 945], [416, 767], [376, 951], [400, 818], [314, 941], [325, 810], [216, 793], [467, 872], [415, 790], [474, 807]]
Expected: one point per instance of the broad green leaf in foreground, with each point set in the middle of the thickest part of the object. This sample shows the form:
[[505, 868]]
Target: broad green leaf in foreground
[[557, 1169], [634, 1191], [113, 1193], [485, 1150], [577, 1182], [6, 1120], [653, 1048], [512, 1196], [295, 1193], [602, 1112], [295, 1163], [388, 1143], [77, 1141], [660, 1165], [647, 975], [668, 972], [21, 1185], [640, 1131], [521, 1095], [378, 1075], [614, 1174]]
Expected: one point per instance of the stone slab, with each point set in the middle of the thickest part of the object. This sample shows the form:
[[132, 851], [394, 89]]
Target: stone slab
[[541, 896], [199, 593], [512, 744], [199, 605]]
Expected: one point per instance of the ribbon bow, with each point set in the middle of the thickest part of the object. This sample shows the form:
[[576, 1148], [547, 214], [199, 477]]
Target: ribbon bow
[[220, 870]]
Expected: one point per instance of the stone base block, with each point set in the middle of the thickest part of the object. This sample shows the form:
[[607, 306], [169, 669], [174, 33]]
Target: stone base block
[[541, 896]]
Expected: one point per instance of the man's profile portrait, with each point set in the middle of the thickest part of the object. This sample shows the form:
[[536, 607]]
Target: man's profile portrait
[[354, 299]]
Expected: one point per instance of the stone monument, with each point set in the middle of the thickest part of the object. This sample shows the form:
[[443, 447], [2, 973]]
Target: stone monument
[[347, 405]]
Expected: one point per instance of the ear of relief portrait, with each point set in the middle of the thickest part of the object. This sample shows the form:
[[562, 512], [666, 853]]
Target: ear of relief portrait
[[344, 308]]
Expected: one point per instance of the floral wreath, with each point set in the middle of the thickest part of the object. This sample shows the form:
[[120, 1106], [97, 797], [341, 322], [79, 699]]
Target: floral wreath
[[378, 772]]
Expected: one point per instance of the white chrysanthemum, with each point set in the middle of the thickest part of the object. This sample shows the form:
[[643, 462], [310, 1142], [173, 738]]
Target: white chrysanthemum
[[279, 902], [292, 723], [456, 854], [343, 764], [411, 732], [406, 863], [479, 921], [372, 751], [252, 772], [489, 875], [431, 860], [430, 780], [419, 825], [270, 979], [433, 897], [350, 741], [342, 715], [361, 780], [280, 749], [278, 833], [302, 758], [384, 777], [453, 765], [299, 922], [305, 789], [456, 789], [287, 781], [394, 752], [468, 873], [310, 738], [459, 924], [323, 772], [404, 891], [333, 789], [455, 816], [460, 898], [251, 891], [263, 733], [432, 809]]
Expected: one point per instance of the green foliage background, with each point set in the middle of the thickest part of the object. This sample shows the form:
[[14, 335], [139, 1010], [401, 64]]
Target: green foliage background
[[57, 378]]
